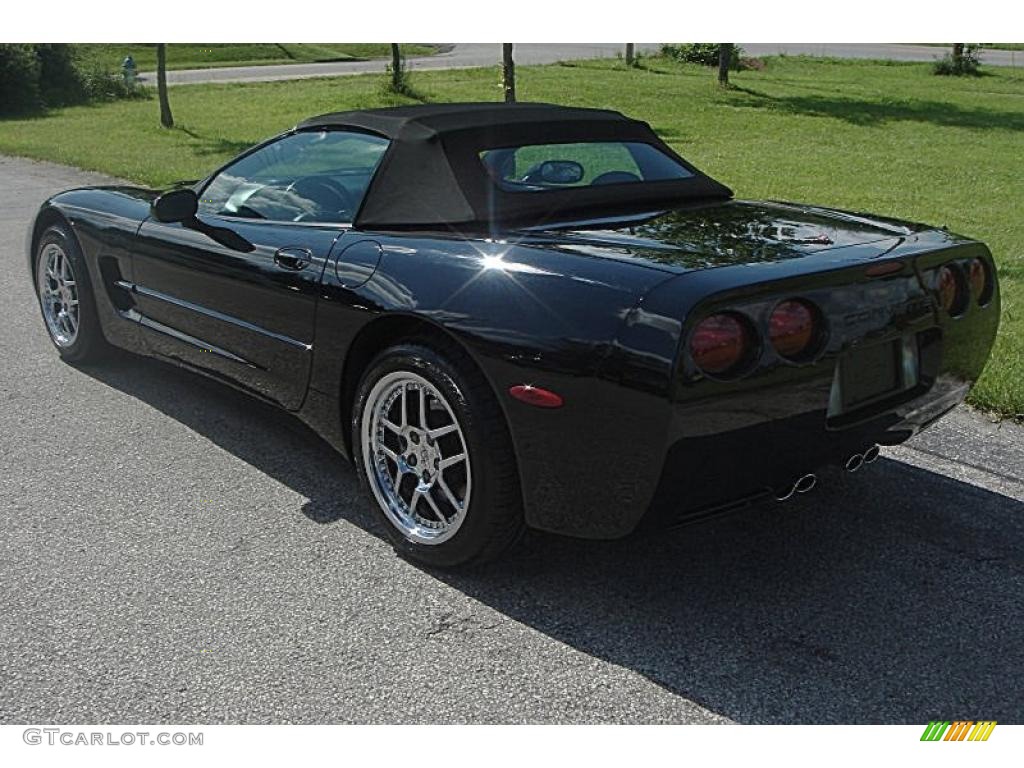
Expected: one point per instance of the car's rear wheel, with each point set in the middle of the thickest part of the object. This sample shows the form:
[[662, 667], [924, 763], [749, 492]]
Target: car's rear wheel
[[433, 448], [66, 297]]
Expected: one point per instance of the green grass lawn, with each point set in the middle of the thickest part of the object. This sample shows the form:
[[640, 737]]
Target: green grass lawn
[[882, 137], [108, 56]]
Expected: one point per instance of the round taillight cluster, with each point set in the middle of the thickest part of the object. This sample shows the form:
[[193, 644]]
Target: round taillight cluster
[[725, 344], [794, 329], [949, 285], [980, 281], [722, 343], [958, 284]]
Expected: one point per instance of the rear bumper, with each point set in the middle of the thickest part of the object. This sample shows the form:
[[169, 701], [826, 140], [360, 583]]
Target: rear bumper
[[658, 467], [703, 474]]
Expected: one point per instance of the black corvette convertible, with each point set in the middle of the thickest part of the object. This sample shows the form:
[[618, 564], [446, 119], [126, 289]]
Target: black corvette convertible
[[527, 315]]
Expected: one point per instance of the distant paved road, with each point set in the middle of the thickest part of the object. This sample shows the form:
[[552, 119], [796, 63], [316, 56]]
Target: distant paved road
[[466, 55], [174, 552], [462, 56], [885, 51]]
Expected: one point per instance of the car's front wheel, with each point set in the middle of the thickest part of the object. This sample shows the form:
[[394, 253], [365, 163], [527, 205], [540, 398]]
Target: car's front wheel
[[66, 297], [432, 446]]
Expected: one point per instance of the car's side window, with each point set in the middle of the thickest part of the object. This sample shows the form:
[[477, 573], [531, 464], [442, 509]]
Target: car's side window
[[315, 176]]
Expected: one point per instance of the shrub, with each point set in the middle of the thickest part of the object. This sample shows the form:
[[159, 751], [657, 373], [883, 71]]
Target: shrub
[[101, 85], [19, 79], [47, 75], [60, 81], [969, 62], [700, 53]]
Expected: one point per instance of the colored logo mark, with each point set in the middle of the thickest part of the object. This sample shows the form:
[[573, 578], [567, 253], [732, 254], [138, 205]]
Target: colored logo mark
[[958, 730]]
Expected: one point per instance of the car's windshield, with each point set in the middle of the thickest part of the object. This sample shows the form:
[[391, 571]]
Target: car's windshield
[[540, 167]]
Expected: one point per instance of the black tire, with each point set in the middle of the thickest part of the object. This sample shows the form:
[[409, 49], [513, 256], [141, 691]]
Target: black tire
[[89, 345], [494, 518]]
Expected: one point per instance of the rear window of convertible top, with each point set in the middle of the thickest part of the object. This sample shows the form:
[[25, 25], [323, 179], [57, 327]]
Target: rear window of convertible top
[[540, 167]]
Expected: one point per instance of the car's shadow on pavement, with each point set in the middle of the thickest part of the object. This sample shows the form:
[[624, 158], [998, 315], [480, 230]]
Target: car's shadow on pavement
[[892, 595]]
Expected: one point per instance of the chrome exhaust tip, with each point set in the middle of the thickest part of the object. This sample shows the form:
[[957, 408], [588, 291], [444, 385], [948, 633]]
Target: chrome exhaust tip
[[806, 483], [801, 485], [871, 454], [855, 462], [785, 494]]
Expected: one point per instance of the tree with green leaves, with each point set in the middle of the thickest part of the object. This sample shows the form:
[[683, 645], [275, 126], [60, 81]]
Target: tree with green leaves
[[166, 118], [508, 73]]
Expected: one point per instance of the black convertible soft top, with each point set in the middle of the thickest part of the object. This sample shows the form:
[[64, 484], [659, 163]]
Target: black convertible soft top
[[431, 174]]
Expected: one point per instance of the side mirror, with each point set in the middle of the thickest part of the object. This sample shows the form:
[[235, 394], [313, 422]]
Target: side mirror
[[176, 206], [561, 172]]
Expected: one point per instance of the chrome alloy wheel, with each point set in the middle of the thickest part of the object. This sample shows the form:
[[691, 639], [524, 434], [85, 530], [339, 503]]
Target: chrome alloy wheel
[[58, 294], [416, 457]]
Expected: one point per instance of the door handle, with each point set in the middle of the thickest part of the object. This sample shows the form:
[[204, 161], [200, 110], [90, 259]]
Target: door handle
[[293, 258]]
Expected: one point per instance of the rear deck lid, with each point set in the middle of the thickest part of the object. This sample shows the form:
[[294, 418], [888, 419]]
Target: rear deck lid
[[727, 234]]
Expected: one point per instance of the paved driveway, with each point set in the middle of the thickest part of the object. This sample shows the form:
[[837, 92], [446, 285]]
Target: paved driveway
[[465, 55], [175, 552]]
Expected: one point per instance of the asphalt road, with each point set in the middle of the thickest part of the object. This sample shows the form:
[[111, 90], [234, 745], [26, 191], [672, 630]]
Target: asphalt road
[[465, 55], [174, 552], [882, 51]]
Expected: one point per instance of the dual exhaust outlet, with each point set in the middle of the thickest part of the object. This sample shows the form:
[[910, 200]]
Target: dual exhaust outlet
[[807, 482], [858, 460], [803, 484]]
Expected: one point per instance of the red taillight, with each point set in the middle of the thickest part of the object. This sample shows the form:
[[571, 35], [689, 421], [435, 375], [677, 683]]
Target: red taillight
[[721, 343], [950, 291], [793, 328], [980, 282]]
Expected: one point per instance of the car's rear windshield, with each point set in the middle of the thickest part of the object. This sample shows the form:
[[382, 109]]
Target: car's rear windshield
[[540, 167]]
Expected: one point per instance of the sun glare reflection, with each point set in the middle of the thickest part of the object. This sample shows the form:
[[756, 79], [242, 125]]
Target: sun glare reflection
[[494, 267], [493, 261]]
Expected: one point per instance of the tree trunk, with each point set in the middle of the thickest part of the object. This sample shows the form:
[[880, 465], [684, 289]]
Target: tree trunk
[[724, 61], [166, 119], [396, 68], [508, 73], [630, 54], [958, 57]]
